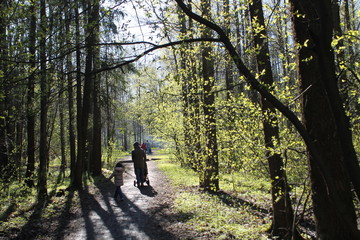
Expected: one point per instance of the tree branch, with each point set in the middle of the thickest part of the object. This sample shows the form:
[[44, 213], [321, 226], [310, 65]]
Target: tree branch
[[152, 49], [254, 83]]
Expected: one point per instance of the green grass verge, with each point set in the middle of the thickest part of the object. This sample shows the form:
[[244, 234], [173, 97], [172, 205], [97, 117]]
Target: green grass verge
[[212, 215]]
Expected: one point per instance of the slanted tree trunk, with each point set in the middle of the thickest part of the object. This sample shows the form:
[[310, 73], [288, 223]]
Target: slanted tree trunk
[[325, 121]]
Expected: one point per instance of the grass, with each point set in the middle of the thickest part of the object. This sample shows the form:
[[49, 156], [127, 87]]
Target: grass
[[229, 215], [219, 216], [19, 207]]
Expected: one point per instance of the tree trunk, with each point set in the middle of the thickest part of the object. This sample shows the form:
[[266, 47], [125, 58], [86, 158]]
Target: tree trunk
[[69, 69], [96, 154], [228, 63], [30, 167], [81, 134], [7, 125], [78, 169], [283, 216], [209, 179], [325, 121], [62, 127], [3, 47], [43, 154]]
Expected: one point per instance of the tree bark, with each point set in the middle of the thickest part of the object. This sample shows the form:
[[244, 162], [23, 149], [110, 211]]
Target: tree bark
[[96, 154], [44, 152], [70, 94], [209, 180], [4, 159], [30, 167], [283, 216], [325, 121]]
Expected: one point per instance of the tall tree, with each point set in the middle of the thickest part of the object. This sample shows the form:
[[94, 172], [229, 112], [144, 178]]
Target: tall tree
[[96, 151], [325, 121], [70, 89], [84, 138], [4, 159], [209, 180], [30, 167], [283, 216], [44, 103], [78, 168]]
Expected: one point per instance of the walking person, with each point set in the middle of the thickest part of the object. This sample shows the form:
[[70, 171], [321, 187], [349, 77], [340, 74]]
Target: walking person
[[139, 157], [118, 180]]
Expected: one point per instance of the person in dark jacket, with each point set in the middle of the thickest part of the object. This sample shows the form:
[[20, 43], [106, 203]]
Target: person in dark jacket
[[118, 180], [139, 157]]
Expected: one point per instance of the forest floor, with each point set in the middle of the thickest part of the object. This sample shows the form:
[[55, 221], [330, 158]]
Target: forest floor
[[144, 214], [147, 213]]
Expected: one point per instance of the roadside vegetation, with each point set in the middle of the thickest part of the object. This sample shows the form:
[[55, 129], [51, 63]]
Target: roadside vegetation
[[240, 210], [21, 213]]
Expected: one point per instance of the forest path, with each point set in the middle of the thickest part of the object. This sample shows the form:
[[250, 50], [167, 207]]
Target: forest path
[[144, 214]]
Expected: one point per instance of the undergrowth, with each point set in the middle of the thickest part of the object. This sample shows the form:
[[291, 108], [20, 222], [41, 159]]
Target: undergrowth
[[229, 214]]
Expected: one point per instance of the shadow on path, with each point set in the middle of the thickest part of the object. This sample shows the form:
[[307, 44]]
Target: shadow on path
[[105, 218]]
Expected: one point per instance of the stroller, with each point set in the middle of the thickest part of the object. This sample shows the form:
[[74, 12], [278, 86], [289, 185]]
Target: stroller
[[145, 177]]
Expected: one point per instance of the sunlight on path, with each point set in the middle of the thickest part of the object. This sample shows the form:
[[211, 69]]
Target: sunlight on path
[[132, 219]]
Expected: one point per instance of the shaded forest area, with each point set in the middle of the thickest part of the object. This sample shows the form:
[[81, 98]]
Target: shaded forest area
[[262, 88]]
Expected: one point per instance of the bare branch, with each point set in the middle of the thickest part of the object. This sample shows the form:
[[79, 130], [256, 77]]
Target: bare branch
[[152, 49]]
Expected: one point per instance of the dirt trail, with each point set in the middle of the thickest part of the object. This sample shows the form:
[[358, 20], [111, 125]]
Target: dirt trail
[[144, 214]]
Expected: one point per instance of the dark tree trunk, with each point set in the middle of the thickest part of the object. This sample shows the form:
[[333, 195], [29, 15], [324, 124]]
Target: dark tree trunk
[[96, 154], [283, 216], [69, 68], [62, 128], [30, 167], [209, 179], [326, 122], [44, 152], [85, 140], [7, 125], [78, 168]]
